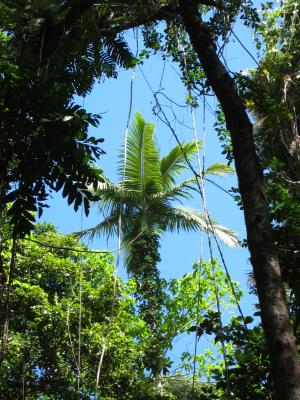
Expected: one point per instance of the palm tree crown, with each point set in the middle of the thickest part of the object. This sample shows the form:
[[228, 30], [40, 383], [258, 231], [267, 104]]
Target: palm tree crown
[[147, 191]]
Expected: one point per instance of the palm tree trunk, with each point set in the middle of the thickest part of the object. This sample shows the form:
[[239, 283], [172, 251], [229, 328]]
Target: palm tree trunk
[[274, 311], [149, 295]]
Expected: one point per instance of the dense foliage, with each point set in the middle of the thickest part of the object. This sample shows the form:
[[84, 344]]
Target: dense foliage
[[44, 141], [60, 310], [57, 306]]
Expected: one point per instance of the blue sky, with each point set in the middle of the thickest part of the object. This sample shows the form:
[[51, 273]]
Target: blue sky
[[111, 99]]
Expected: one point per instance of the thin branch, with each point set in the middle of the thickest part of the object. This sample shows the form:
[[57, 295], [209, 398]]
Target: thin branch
[[164, 13], [70, 337], [50, 246]]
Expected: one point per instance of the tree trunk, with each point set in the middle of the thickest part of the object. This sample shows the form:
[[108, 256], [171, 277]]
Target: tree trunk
[[149, 296], [274, 311]]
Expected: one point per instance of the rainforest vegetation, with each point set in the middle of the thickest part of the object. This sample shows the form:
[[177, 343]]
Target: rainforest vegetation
[[71, 327]]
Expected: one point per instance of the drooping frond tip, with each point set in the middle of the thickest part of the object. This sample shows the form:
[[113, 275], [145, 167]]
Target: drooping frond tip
[[186, 218]]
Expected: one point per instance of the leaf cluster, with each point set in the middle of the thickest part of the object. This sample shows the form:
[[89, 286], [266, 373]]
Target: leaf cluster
[[44, 135], [53, 291]]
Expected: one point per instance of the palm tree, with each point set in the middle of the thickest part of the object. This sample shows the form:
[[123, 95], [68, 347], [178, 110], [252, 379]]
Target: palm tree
[[147, 191], [145, 195]]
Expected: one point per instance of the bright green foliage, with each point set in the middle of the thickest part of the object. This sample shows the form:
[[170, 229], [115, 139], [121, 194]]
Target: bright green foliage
[[197, 287], [248, 376], [182, 388], [43, 348]]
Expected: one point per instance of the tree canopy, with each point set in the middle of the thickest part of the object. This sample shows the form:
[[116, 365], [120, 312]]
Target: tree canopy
[[60, 311], [52, 52]]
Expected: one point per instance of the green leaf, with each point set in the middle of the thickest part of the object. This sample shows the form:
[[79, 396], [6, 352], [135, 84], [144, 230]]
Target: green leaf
[[219, 170]]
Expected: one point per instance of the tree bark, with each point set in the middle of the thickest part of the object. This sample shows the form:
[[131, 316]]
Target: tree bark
[[150, 297], [274, 311]]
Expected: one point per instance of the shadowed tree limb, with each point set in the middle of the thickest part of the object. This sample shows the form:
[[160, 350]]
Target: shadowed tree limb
[[74, 9]]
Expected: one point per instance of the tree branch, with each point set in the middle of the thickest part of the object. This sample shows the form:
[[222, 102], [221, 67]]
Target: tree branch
[[76, 8], [54, 32], [212, 3], [164, 13]]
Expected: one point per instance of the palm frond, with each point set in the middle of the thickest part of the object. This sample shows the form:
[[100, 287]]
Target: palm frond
[[185, 218], [178, 192], [107, 228], [112, 194], [175, 162], [219, 169], [141, 172], [109, 197]]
